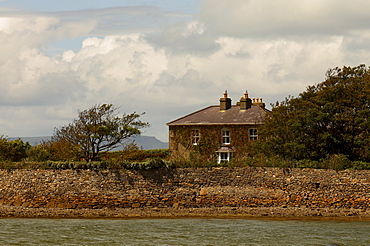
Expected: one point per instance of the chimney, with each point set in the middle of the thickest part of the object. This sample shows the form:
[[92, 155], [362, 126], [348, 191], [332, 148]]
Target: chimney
[[245, 102], [225, 102], [258, 102]]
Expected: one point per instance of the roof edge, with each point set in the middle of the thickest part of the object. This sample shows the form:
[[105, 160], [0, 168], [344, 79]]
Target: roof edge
[[171, 122], [209, 124]]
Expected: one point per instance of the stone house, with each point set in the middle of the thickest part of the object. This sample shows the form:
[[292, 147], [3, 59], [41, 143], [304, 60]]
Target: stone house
[[218, 132]]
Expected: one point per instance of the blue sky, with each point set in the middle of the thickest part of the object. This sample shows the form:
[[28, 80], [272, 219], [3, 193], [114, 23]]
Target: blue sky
[[166, 58]]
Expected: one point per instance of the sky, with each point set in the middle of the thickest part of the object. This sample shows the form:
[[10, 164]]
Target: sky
[[166, 58]]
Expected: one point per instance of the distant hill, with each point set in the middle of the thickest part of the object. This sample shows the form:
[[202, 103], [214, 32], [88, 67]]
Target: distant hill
[[146, 142]]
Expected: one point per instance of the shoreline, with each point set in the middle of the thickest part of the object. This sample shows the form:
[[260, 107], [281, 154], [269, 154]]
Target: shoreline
[[265, 213]]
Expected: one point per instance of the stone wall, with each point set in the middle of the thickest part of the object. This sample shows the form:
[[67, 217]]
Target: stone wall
[[186, 188]]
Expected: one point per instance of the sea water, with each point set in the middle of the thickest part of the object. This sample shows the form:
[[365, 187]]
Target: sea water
[[182, 232]]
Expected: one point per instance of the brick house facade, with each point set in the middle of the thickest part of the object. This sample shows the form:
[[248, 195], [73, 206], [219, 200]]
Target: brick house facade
[[218, 132]]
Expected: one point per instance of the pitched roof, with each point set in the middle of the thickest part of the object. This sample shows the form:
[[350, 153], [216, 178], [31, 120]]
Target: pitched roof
[[213, 116], [225, 149]]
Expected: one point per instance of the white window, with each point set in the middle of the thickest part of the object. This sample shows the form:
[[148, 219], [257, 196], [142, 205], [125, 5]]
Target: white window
[[225, 135], [224, 157], [195, 136], [253, 135]]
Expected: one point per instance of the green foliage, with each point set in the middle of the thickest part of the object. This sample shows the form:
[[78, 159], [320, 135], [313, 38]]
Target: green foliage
[[99, 129], [181, 162], [306, 163], [61, 155], [154, 163], [15, 150], [328, 119], [10, 165], [134, 158], [132, 153], [150, 164], [359, 165], [38, 153], [195, 159], [61, 150], [61, 165], [336, 162], [261, 160]]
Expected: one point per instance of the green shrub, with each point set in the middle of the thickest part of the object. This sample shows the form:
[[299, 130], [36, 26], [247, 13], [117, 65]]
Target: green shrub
[[8, 165], [15, 150], [149, 164], [63, 165], [336, 162], [180, 162], [38, 153], [61, 150], [306, 163], [360, 165]]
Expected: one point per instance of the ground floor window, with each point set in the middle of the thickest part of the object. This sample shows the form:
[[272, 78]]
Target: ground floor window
[[224, 157]]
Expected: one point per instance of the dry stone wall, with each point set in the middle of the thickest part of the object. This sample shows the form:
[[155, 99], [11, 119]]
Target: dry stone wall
[[185, 188]]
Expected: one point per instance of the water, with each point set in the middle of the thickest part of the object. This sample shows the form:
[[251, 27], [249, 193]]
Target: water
[[181, 232]]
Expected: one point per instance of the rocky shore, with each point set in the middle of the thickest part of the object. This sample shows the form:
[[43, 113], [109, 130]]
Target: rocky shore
[[222, 212], [190, 192]]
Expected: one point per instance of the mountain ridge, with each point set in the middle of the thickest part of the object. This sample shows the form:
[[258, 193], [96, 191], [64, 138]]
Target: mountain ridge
[[144, 142]]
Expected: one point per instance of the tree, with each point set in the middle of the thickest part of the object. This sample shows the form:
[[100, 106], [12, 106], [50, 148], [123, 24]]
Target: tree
[[14, 150], [329, 118], [99, 129]]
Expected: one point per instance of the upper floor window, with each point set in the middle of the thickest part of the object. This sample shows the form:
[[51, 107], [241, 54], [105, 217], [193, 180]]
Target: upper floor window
[[253, 135], [225, 135], [195, 136]]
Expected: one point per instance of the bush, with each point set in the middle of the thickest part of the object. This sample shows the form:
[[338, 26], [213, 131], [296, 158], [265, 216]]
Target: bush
[[61, 150], [360, 165], [141, 155], [77, 165], [336, 162], [150, 164], [15, 150], [306, 163], [38, 153]]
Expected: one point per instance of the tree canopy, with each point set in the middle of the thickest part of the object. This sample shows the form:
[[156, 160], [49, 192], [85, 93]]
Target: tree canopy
[[329, 118], [98, 129], [14, 150]]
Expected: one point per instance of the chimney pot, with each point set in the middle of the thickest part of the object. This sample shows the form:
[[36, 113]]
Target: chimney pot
[[246, 94], [258, 102]]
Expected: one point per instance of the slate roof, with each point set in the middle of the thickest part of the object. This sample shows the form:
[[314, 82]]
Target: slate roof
[[213, 116]]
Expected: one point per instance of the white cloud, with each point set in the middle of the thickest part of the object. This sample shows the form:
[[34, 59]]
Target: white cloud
[[34, 24], [270, 18], [193, 28], [129, 57]]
